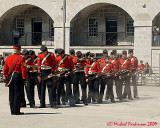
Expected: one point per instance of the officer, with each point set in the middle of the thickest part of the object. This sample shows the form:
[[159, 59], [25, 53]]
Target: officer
[[15, 73], [79, 76], [134, 65], [65, 65], [48, 65], [106, 71], [125, 64], [92, 78]]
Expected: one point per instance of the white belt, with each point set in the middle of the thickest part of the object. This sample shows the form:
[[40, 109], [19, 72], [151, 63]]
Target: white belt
[[90, 72], [33, 71], [46, 68], [62, 69]]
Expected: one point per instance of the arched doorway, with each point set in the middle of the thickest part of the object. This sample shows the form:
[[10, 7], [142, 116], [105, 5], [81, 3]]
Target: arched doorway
[[102, 25], [156, 31], [34, 25]]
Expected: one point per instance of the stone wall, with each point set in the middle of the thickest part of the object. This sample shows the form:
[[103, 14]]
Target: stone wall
[[142, 12]]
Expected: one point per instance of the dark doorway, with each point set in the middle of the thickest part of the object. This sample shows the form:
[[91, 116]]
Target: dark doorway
[[111, 31], [36, 31]]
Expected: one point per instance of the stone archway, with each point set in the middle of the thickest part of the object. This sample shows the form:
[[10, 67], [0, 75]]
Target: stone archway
[[93, 26], [33, 23]]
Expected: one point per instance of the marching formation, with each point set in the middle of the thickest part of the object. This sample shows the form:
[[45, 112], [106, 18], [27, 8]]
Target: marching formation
[[58, 72]]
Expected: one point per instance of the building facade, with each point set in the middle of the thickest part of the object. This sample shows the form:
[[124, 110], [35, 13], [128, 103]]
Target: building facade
[[86, 25]]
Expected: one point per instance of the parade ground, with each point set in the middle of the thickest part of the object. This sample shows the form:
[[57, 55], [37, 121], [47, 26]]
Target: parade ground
[[144, 112]]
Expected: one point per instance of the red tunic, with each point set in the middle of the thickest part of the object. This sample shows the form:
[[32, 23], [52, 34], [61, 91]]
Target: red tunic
[[29, 61], [106, 67], [126, 65], [116, 63], [134, 62], [18, 68], [80, 64], [94, 69], [50, 61], [67, 63]]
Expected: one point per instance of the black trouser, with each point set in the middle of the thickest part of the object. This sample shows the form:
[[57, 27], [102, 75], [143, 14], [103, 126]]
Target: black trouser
[[93, 89], [23, 100], [60, 90], [79, 77], [50, 86], [32, 81], [118, 87], [135, 90], [39, 90], [109, 83], [127, 88], [15, 89]]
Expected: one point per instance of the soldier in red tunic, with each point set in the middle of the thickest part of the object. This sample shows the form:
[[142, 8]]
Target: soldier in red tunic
[[106, 71], [35, 72], [102, 60], [115, 61], [79, 76], [15, 72], [65, 65], [32, 75], [25, 55], [134, 65], [92, 77], [48, 65], [125, 64]]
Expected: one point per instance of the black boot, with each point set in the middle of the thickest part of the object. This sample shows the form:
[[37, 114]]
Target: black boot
[[85, 102], [19, 113], [42, 106], [32, 105], [54, 106], [113, 101]]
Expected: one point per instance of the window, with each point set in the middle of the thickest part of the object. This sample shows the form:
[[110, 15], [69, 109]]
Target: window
[[130, 27], [93, 27], [20, 26], [51, 28]]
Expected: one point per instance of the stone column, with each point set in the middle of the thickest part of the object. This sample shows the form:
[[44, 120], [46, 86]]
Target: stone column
[[67, 38], [143, 41], [58, 36]]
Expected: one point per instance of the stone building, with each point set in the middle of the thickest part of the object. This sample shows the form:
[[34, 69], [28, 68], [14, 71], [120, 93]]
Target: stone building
[[87, 25]]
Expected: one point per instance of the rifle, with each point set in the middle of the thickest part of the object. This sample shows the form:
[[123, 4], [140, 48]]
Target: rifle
[[100, 75], [55, 74], [106, 74], [94, 58], [35, 66], [125, 73], [61, 74]]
